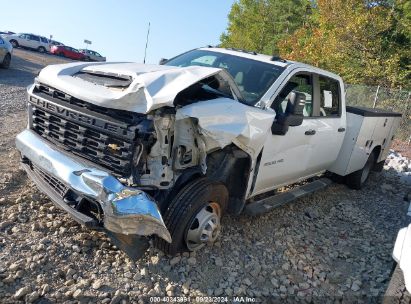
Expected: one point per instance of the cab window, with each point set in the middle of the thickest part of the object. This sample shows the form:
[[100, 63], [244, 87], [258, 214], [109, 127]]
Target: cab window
[[34, 38], [300, 83], [329, 96]]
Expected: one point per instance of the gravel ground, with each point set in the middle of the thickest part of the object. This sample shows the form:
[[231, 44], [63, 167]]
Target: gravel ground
[[336, 243]]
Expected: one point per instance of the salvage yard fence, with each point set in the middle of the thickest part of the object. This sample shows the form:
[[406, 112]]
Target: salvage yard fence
[[384, 98]]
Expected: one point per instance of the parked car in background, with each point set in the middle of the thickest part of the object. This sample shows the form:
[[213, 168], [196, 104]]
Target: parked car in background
[[67, 51], [92, 55], [54, 42], [6, 33], [29, 41], [6, 49]]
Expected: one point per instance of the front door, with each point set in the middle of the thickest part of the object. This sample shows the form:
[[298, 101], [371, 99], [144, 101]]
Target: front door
[[285, 158]]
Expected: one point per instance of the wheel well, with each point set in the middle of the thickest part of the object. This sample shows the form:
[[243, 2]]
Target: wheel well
[[377, 152], [231, 166]]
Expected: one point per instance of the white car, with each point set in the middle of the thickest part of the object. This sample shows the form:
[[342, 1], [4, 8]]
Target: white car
[[92, 55], [30, 41], [5, 53]]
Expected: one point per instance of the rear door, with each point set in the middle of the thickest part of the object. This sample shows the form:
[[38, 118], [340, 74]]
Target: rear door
[[34, 41], [328, 124]]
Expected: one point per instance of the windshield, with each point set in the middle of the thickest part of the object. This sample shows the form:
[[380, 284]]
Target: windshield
[[252, 77]]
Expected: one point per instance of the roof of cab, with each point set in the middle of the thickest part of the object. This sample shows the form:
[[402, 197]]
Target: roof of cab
[[268, 59]]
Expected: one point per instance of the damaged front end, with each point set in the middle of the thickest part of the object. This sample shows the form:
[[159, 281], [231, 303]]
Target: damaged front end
[[109, 145], [126, 210]]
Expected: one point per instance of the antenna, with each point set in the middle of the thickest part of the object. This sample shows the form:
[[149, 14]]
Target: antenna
[[145, 50]]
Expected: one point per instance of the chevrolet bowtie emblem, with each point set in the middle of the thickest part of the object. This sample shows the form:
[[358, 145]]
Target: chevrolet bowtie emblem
[[114, 147]]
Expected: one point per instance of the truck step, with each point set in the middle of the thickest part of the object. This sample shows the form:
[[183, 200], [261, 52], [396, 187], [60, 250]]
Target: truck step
[[269, 203]]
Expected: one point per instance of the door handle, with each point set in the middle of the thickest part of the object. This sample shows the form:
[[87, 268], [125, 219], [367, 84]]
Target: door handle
[[310, 132], [341, 129]]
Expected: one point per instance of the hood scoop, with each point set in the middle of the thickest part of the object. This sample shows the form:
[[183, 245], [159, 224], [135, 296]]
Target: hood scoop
[[109, 80]]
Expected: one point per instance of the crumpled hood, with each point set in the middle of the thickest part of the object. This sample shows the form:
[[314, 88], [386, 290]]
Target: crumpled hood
[[151, 87]]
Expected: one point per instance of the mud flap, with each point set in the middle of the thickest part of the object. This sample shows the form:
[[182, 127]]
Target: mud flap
[[133, 245]]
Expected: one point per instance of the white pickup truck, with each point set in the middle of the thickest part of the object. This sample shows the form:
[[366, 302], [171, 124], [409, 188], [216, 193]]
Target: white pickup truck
[[163, 151]]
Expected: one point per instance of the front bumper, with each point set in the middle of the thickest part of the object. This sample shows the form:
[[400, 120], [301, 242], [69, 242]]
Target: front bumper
[[127, 210]]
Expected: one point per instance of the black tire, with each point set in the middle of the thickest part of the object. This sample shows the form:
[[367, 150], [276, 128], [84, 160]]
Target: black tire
[[396, 292], [86, 58], [6, 61], [14, 43], [184, 208], [357, 179], [41, 49], [378, 167]]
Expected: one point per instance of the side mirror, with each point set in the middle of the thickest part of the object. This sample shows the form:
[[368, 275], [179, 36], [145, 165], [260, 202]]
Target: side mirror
[[162, 61], [293, 116]]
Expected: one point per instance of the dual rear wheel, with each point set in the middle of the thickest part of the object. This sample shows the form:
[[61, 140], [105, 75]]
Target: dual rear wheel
[[357, 179]]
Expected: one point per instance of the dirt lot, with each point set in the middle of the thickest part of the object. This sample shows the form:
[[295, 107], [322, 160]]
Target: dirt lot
[[332, 245]]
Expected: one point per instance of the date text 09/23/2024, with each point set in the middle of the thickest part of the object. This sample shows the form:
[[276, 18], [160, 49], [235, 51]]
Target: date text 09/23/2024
[[202, 299]]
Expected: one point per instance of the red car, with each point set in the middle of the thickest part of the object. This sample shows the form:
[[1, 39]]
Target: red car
[[67, 51]]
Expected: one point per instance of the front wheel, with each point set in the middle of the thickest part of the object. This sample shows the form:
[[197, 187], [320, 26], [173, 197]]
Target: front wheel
[[357, 179], [194, 216], [6, 61], [14, 43], [41, 49]]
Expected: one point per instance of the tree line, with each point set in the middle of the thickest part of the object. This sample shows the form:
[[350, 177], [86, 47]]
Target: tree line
[[366, 42]]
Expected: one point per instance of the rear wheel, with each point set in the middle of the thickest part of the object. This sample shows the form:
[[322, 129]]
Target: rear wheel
[[357, 179], [14, 43], [41, 49], [6, 61], [194, 216]]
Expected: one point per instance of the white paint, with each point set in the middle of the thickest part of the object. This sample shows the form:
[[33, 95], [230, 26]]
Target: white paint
[[152, 87], [402, 254], [363, 134]]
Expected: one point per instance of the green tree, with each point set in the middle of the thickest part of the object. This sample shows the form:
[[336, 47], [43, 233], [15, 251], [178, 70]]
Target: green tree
[[258, 25], [365, 42]]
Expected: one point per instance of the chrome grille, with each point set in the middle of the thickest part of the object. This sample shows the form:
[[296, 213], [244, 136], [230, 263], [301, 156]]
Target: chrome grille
[[85, 130]]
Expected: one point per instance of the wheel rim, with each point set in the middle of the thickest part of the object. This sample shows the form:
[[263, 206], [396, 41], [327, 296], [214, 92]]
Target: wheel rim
[[205, 227], [14, 43]]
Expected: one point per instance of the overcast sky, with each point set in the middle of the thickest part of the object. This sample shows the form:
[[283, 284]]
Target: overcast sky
[[118, 29]]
